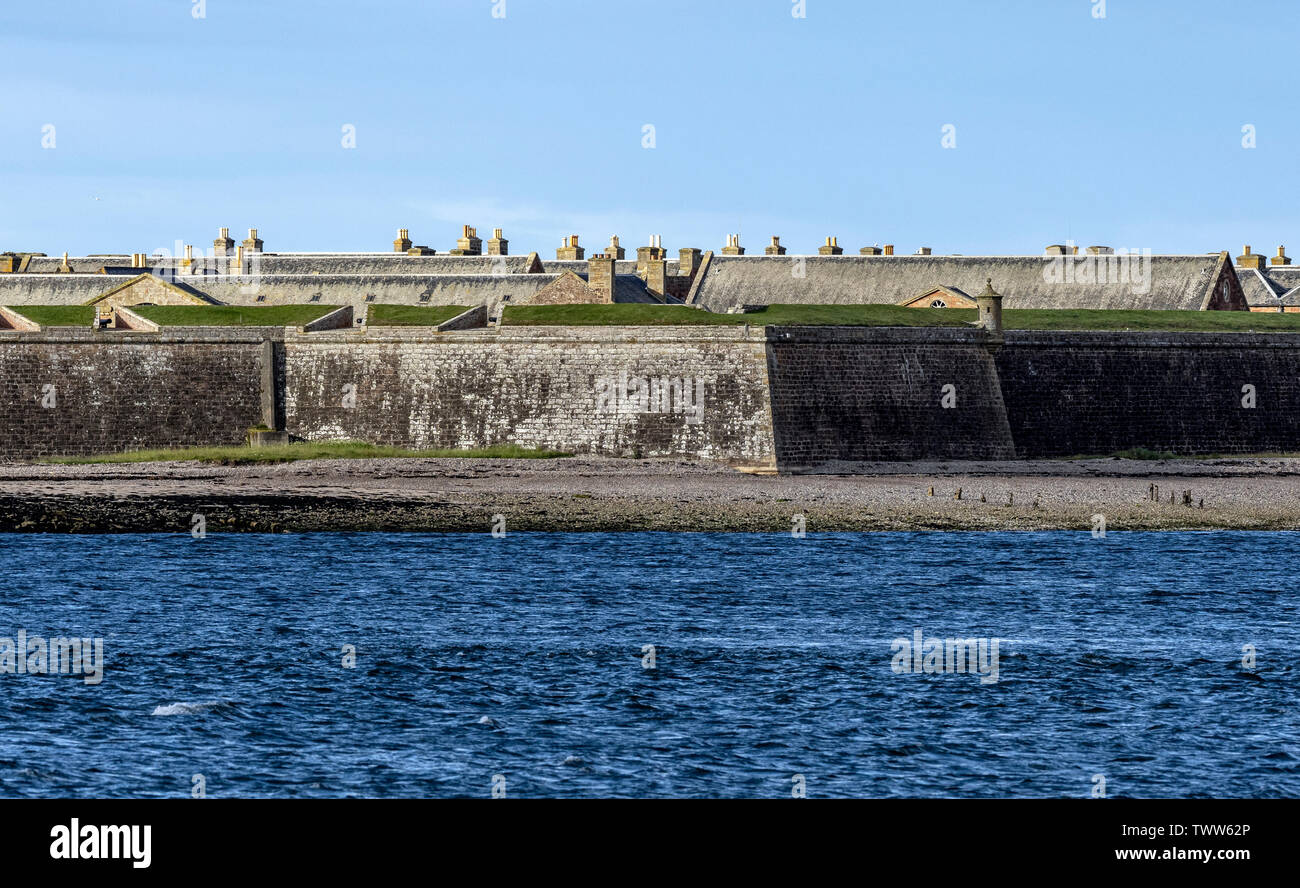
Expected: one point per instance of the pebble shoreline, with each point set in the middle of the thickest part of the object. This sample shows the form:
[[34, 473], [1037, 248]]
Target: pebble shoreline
[[598, 494]]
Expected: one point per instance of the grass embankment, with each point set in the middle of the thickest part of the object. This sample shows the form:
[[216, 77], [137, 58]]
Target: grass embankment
[[57, 315], [232, 315], [379, 315], [1147, 319], [636, 314], [282, 453]]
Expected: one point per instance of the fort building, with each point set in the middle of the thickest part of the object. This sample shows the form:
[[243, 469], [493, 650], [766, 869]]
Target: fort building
[[466, 274]]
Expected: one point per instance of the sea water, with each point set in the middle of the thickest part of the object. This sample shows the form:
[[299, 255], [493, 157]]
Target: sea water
[[654, 664]]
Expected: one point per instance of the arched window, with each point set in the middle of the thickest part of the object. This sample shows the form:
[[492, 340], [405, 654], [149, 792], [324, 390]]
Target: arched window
[[938, 303]]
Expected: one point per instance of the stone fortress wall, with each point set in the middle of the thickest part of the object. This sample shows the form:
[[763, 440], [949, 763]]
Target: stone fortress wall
[[797, 398]]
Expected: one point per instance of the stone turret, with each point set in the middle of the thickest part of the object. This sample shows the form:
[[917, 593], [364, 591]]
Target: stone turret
[[498, 245], [224, 243], [570, 250], [989, 304], [774, 248], [403, 242]]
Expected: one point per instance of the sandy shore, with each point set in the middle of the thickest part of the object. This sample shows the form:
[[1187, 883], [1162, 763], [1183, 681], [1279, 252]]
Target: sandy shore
[[589, 494]]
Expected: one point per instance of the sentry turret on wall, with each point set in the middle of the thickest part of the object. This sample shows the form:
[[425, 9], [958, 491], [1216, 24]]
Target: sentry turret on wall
[[989, 305]]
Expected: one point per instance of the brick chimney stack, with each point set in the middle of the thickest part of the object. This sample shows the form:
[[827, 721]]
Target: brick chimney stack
[[1281, 258], [469, 243], [645, 255], [656, 276], [498, 245], [570, 250], [889, 249], [252, 243], [733, 247], [1247, 259], [614, 249], [774, 248], [223, 244], [869, 251], [688, 261], [831, 247], [403, 242], [600, 276]]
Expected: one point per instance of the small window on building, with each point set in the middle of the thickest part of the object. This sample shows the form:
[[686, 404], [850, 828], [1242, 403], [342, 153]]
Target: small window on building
[[938, 303]]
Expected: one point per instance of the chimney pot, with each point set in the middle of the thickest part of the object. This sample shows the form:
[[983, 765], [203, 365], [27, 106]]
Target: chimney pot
[[733, 247], [570, 250], [1248, 259], [469, 243]]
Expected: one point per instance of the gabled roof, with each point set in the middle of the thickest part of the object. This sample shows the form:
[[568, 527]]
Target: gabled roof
[[1276, 285], [183, 290], [952, 297], [1176, 282]]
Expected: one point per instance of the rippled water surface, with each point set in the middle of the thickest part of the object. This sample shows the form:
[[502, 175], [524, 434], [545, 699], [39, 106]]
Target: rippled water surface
[[522, 658]]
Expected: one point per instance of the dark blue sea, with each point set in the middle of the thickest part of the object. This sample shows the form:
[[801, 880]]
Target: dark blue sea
[[521, 664]]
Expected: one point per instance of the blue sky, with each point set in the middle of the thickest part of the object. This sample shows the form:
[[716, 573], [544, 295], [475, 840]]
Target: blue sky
[[1124, 130]]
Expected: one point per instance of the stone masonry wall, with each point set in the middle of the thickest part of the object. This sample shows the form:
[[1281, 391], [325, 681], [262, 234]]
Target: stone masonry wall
[[861, 394], [559, 388], [792, 397], [76, 392], [1098, 393]]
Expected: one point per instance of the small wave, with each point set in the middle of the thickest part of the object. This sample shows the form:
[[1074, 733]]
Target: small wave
[[186, 708]]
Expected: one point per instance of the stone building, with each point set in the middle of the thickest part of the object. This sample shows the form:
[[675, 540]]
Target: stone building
[[467, 274], [1270, 283]]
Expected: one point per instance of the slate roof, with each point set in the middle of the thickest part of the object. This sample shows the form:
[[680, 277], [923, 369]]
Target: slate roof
[[1177, 282], [1273, 286], [328, 289], [386, 264]]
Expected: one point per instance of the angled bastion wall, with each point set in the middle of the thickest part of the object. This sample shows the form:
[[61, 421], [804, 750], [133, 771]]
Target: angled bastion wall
[[73, 392], [820, 399], [614, 391]]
